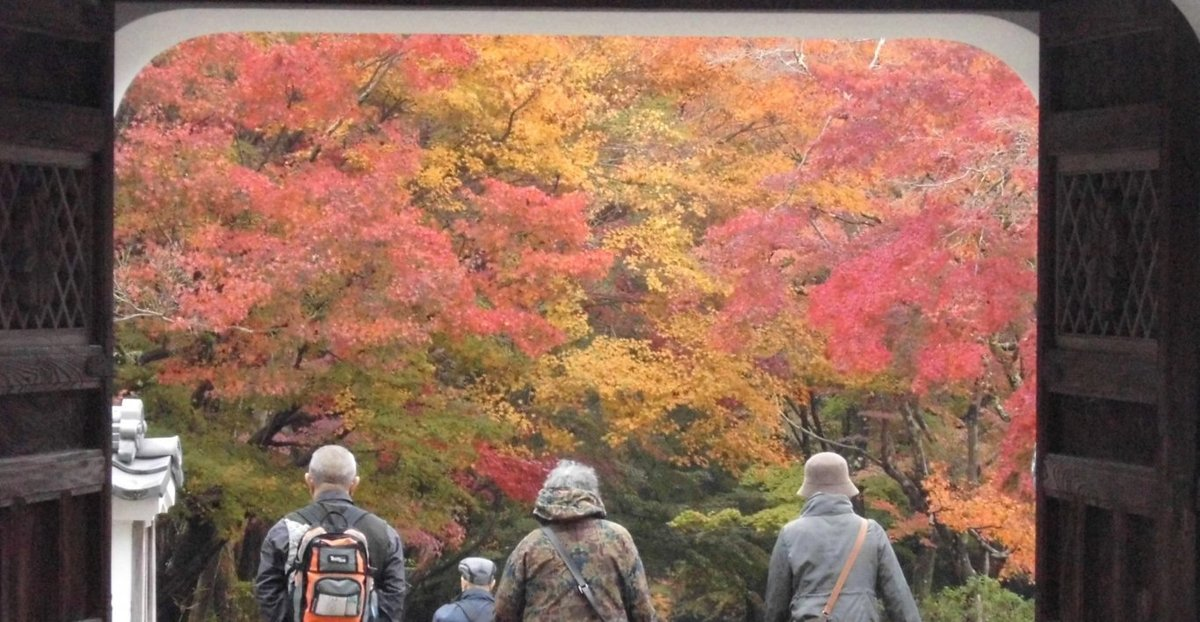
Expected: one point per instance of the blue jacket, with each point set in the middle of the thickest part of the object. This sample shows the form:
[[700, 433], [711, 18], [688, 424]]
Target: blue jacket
[[475, 604]]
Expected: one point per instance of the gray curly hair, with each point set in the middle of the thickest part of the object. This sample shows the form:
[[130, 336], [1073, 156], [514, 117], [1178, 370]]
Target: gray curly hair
[[571, 474]]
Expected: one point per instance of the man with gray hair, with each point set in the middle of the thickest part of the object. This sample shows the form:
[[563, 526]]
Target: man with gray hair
[[475, 603], [538, 584], [331, 478]]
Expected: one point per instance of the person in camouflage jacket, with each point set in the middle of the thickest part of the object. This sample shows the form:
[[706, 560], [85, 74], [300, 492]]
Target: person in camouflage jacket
[[536, 585]]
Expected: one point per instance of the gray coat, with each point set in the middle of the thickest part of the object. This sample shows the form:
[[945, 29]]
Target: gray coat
[[808, 558]]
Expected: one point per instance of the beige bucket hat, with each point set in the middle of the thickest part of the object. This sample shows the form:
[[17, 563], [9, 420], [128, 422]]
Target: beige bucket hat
[[827, 472]]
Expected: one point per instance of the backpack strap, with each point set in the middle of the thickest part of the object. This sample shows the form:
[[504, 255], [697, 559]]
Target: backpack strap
[[351, 514], [579, 582], [841, 581], [317, 512], [311, 514], [464, 612]]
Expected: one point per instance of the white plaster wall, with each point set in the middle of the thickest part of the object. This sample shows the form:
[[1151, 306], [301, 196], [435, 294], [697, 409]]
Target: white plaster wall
[[126, 516], [144, 510], [146, 30], [122, 574], [1190, 10]]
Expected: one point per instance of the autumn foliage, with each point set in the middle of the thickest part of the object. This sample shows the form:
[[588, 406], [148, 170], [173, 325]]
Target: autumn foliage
[[466, 256]]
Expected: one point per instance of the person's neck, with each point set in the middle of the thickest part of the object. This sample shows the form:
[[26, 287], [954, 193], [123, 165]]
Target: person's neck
[[327, 491]]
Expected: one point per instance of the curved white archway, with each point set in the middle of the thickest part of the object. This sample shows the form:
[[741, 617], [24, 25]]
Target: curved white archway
[[1191, 11], [145, 31]]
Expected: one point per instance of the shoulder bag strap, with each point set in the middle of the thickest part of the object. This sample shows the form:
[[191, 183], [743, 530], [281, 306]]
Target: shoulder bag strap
[[837, 588], [579, 582]]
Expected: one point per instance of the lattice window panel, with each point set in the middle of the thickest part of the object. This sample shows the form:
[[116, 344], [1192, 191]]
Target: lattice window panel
[[45, 243], [1107, 258]]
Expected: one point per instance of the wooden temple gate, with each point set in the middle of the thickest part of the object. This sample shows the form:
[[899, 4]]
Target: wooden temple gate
[[1119, 306], [1119, 300], [55, 308]]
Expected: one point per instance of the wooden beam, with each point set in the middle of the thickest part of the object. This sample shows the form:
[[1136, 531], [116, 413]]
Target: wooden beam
[[1126, 128], [52, 369], [668, 5], [53, 126], [8, 571], [1111, 485], [1126, 377], [81, 20], [1113, 161], [1068, 29], [40, 477], [1119, 542], [19, 542], [71, 544], [1076, 559], [39, 156]]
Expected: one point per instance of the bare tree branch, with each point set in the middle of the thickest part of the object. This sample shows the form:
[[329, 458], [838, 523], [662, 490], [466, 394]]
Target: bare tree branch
[[875, 59]]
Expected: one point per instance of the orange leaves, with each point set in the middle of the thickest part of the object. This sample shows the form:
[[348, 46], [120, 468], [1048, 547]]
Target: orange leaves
[[904, 524], [997, 517]]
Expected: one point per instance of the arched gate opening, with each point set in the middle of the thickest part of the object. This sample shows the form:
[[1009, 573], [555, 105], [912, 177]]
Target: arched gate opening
[[1118, 306]]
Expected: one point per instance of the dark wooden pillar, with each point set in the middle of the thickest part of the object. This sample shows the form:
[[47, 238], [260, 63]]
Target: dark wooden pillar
[[1118, 292], [55, 308]]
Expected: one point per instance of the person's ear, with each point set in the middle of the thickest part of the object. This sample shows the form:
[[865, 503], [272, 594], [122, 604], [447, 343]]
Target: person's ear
[[354, 484], [308, 482]]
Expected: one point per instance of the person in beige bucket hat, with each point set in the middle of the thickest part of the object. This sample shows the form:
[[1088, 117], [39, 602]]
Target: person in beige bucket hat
[[831, 564], [827, 472]]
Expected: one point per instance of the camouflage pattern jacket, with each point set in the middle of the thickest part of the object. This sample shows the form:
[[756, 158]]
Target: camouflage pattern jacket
[[536, 585]]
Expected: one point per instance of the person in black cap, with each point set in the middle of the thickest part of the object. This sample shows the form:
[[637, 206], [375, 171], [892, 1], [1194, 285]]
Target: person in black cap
[[475, 603]]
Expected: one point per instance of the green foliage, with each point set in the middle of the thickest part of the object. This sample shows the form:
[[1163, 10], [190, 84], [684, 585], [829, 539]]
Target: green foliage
[[720, 575], [718, 571], [981, 599], [778, 483], [242, 607], [878, 487], [691, 521]]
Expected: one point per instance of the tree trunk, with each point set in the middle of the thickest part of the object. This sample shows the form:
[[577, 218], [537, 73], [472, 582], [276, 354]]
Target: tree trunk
[[247, 554], [187, 545], [816, 421], [922, 579], [972, 421]]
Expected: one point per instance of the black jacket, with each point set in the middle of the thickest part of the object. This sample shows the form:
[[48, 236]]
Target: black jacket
[[383, 546], [475, 604]]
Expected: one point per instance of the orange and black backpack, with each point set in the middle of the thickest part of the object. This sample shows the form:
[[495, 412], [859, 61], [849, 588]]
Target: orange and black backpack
[[329, 578]]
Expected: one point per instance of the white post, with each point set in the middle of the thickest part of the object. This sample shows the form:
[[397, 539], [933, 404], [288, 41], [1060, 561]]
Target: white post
[[152, 573], [122, 570]]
